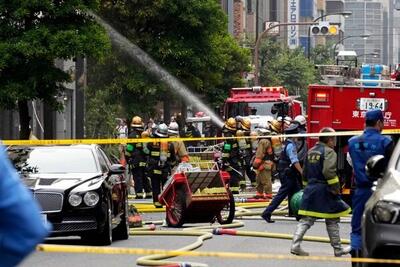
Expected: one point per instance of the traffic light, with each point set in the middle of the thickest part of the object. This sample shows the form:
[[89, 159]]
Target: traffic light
[[324, 28]]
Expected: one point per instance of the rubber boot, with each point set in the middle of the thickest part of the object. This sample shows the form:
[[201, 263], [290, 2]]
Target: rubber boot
[[332, 226], [356, 253], [296, 249]]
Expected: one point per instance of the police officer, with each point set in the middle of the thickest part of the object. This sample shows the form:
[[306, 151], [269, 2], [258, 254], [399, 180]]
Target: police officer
[[289, 170], [179, 146], [230, 155], [361, 148], [21, 225], [321, 196], [302, 148], [161, 157], [137, 158], [246, 153], [263, 163]]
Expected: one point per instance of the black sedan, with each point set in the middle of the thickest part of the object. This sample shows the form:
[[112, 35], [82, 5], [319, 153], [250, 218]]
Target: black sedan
[[79, 190], [381, 219]]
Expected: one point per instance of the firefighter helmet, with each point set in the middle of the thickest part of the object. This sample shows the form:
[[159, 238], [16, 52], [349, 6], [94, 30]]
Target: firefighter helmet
[[173, 129], [275, 126], [230, 124], [300, 119], [262, 129], [162, 130], [145, 134], [239, 133], [287, 120], [245, 124], [137, 122]]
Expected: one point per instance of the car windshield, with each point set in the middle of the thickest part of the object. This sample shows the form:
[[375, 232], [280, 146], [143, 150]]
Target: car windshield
[[250, 108], [53, 160]]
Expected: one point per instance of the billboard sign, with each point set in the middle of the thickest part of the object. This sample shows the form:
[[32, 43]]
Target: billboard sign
[[293, 17]]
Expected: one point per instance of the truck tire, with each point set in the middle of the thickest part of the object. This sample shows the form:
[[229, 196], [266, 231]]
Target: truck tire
[[104, 238], [121, 232]]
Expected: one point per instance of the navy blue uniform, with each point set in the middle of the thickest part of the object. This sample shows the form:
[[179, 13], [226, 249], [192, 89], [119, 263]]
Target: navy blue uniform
[[288, 176], [137, 164], [321, 195], [361, 148]]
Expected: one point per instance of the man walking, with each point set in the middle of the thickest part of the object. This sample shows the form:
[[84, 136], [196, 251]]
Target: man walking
[[321, 198], [361, 148], [289, 171]]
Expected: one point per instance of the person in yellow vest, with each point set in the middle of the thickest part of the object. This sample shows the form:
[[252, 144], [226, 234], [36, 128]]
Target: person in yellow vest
[[161, 154], [263, 163], [179, 146], [230, 155], [247, 153]]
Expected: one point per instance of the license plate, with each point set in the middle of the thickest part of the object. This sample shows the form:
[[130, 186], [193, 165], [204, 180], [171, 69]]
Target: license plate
[[372, 103]]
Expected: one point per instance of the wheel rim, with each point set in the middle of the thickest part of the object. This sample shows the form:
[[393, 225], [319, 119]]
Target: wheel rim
[[224, 214], [175, 212], [109, 224]]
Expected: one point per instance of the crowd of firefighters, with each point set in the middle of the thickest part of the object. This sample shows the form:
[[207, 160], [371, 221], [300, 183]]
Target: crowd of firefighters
[[260, 153], [248, 154]]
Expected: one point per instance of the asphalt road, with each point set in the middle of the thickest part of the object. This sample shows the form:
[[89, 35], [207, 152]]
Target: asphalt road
[[217, 243]]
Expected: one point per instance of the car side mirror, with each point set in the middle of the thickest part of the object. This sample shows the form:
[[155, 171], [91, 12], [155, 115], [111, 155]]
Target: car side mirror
[[375, 167], [117, 169]]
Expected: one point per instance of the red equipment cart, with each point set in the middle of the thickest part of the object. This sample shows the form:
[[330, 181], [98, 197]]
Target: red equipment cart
[[199, 193]]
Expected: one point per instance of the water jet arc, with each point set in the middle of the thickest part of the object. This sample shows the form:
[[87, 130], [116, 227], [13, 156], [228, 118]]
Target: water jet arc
[[153, 68]]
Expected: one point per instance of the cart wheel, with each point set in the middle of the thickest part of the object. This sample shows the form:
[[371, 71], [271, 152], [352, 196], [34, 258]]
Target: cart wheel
[[228, 212], [175, 214]]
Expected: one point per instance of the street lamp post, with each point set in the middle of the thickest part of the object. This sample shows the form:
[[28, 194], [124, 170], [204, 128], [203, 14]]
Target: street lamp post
[[364, 36], [346, 14], [265, 33]]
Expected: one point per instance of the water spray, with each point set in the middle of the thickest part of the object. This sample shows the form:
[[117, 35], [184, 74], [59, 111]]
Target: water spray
[[152, 67]]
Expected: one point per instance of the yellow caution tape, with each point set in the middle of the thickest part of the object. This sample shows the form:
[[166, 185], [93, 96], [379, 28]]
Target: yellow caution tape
[[231, 255], [171, 139]]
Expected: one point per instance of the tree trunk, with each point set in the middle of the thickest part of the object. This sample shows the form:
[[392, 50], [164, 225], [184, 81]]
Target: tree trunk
[[24, 119]]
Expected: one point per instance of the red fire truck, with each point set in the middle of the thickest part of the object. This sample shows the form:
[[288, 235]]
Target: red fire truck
[[341, 101], [261, 103]]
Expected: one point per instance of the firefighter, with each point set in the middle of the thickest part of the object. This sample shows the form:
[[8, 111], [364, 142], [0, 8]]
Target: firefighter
[[192, 132], [230, 155], [137, 159], [276, 129], [289, 170], [246, 153], [321, 197], [263, 163], [361, 148], [179, 146], [161, 155]]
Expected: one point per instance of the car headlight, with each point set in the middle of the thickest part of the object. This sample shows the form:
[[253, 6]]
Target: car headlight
[[91, 198], [385, 212], [75, 200]]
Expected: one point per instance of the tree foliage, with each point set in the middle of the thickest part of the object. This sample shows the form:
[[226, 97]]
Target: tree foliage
[[281, 66], [323, 55], [33, 34], [188, 38]]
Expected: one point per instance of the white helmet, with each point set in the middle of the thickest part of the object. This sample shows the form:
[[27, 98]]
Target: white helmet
[[162, 130], [263, 129], [173, 128], [287, 120], [300, 119]]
